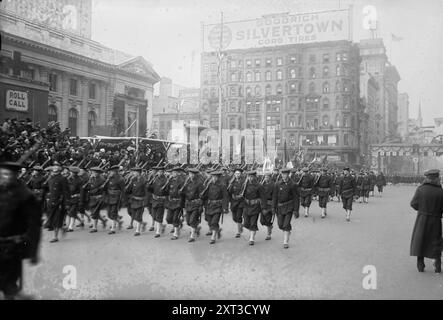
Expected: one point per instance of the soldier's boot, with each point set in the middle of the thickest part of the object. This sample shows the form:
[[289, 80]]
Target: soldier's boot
[[348, 215], [94, 226], [437, 265], [192, 237], [268, 237], [144, 226], [120, 224], [113, 227], [252, 238], [138, 226], [213, 236], [286, 239], [323, 213], [326, 211], [175, 235], [239, 230], [131, 225], [157, 229], [71, 224], [197, 231], [306, 212], [421, 264]]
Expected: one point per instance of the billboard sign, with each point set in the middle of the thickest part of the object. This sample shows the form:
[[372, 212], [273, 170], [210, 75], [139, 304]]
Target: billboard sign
[[277, 30], [17, 100]]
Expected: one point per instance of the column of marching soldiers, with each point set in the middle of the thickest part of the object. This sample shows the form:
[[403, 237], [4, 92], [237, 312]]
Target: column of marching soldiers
[[70, 194]]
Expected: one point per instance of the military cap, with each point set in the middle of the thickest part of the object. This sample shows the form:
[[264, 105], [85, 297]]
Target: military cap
[[346, 168], [193, 170], [305, 169], [238, 169], [13, 166], [285, 170], [56, 163], [114, 168], [216, 173], [74, 169], [37, 168], [96, 169], [136, 169], [432, 172], [56, 167], [252, 172]]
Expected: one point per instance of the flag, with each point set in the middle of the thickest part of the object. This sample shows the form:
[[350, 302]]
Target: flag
[[396, 38]]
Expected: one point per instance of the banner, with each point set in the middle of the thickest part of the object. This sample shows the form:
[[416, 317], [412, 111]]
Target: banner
[[278, 30], [17, 100]]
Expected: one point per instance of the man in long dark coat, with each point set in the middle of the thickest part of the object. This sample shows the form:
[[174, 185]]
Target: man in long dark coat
[[427, 234]]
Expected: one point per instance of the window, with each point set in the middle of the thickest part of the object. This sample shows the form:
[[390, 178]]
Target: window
[[73, 87], [233, 77], [293, 88], [52, 113], [92, 90], [268, 90], [257, 106], [248, 76], [312, 87], [337, 102], [325, 103], [206, 67], [72, 121], [268, 62], [338, 70], [300, 118], [312, 58], [312, 73], [213, 67], [239, 104], [291, 121], [344, 56], [213, 93], [346, 139], [337, 86], [248, 91], [257, 91], [326, 87], [279, 61], [248, 63], [293, 59], [345, 122], [345, 103], [257, 63], [257, 76], [268, 76], [92, 119], [279, 75], [205, 93], [53, 82], [292, 73], [233, 64], [325, 72], [279, 89], [338, 57], [232, 91], [325, 120], [337, 121], [293, 104], [326, 58], [292, 139], [232, 106]]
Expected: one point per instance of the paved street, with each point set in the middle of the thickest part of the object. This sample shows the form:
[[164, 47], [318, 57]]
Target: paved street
[[325, 260]]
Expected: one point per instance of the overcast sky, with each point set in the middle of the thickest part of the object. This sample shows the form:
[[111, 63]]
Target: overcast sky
[[168, 34]]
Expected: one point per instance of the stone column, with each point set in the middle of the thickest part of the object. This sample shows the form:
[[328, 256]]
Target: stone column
[[83, 116], [103, 116], [65, 106]]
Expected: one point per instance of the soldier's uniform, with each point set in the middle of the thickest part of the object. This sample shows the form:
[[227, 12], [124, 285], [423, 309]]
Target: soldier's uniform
[[114, 189], [75, 185], [236, 199], [366, 187], [36, 184], [323, 185], [347, 190], [20, 232], [217, 203], [95, 196], [158, 199], [193, 204], [175, 202], [58, 196], [267, 212], [253, 195], [137, 193], [283, 204], [380, 181], [359, 184], [306, 185]]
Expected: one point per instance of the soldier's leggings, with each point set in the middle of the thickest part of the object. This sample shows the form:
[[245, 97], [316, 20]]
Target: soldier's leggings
[[366, 193], [284, 221], [113, 211], [322, 201], [237, 214], [213, 221], [137, 214], [380, 188], [158, 213], [173, 217], [95, 211], [306, 200], [250, 222], [193, 218], [347, 203], [73, 210], [266, 219]]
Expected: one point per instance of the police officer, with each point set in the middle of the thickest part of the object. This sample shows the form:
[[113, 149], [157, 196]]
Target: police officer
[[253, 196], [20, 229], [137, 194], [267, 216], [217, 204], [58, 197], [347, 189], [323, 185], [236, 200], [155, 186], [175, 201], [75, 184], [283, 199], [114, 189], [306, 185], [191, 190]]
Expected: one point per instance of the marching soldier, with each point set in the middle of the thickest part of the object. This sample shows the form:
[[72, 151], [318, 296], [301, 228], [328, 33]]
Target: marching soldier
[[58, 197], [20, 229], [137, 194], [253, 196], [94, 187], [217, 204], [237, 203], [366, 187], [155, 186], [306, 185], [36, 183], [360, 182], [148, 203], [266, 217], [83, 199], [338, 178], [323, 183], [372, 179], [380, 181], [283, 199], [175, 201], [347, 191], [114, 189], [75, 184], [191, 190]]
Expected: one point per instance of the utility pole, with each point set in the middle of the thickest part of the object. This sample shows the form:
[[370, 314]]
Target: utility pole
[[220, 90]]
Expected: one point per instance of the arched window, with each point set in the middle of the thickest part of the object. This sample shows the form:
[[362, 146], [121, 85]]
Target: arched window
[[292, 73], [248, 76], [72, 121], [325, 120], [293, 104], [92, 120], [268, 76], [279, 89], [279, 75], [326, 87], [325, 103], [312, 73], [248, 91], [268, 90], [291, 121], [257, 91], [337, 120], [312, 87], [325, 71], [337, 102], [292, 139], [52, 113]]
